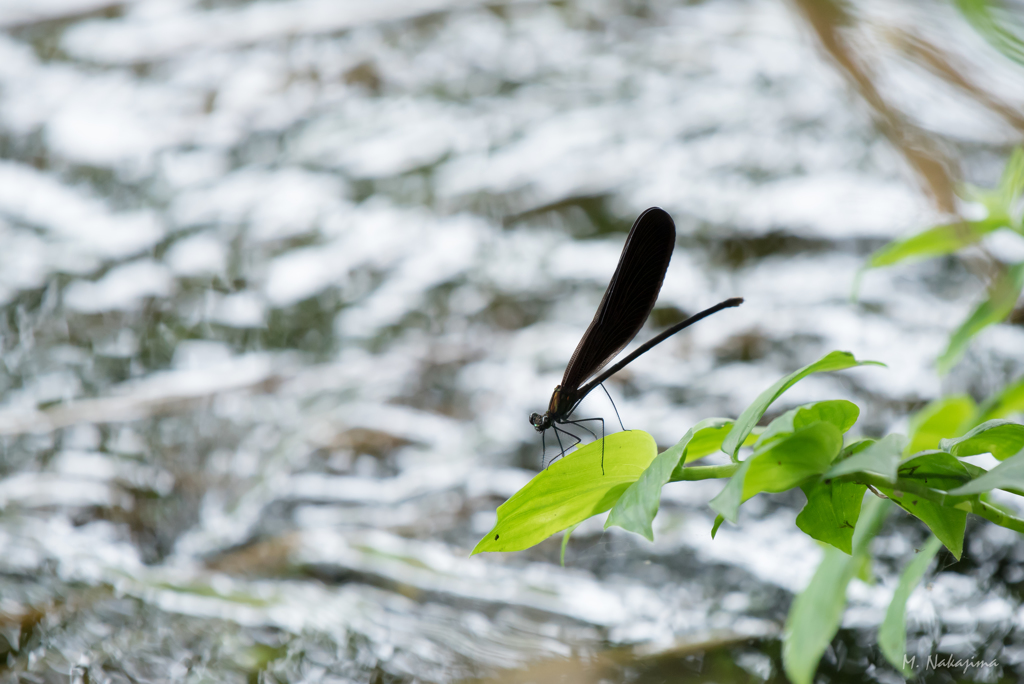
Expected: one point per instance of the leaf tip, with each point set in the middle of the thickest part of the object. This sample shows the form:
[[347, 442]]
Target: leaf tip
[[718, 523], [645, 531], [483, 544]]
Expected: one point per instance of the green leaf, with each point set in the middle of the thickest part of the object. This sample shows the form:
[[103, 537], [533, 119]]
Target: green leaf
[[1001, 438], [781, 465], [1002, 298], [1011, 184], [945, 523], [833, 361], [855, 446], [816, 612], [863, 572], [945, 417], [707, 440], [787, 462], [975, 471], [880, 458], [936, 469], [841, 413], [718, 523], [565, 542], [993, 26], [569, 491], [815, 615], [636, 508], [936, 241], [1008, 475], [892, 635], [831, 512], [941, 471], [1001, 201], [1008, 402], [727, 503]]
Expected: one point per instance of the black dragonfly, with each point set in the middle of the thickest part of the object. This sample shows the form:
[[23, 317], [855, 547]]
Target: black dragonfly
[[626, 304]]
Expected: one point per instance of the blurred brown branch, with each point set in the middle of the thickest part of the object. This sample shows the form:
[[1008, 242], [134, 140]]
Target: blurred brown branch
[[842, 35], [832, 22], [945, 66]]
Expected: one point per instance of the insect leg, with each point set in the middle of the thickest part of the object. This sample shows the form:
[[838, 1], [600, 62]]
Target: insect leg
[[584, 420], [564, 449], [561, 449], [543, 451], [566, 432], [614, 407]]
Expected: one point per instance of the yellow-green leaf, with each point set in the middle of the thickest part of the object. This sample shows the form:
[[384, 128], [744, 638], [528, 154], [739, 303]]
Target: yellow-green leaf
[[1001, 438], [831, 512], [636, 508], [1009, 401], [781, 465], [570, 491], [936, 241], [834, 361], [816, 612], [841, 413], [878, 458], [892, 635], [942, 471], [942, 418], [1002, 298]]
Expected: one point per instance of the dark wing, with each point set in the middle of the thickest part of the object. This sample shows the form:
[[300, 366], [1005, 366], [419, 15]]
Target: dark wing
[[629, 298]]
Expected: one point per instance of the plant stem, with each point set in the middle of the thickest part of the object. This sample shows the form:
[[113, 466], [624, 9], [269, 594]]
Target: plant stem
[[902, 486], [905, 486], [704, 472], [993, 514], [969, 503]]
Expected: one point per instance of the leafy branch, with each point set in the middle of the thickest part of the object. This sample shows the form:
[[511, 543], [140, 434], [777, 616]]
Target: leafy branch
[[806, 447], [1003, 210]]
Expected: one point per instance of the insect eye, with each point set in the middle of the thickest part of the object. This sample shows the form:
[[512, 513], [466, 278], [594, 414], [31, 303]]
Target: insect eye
[[535, 419]]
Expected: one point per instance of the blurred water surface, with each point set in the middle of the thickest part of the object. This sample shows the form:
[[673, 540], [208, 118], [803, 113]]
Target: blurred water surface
[[282, 281]]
